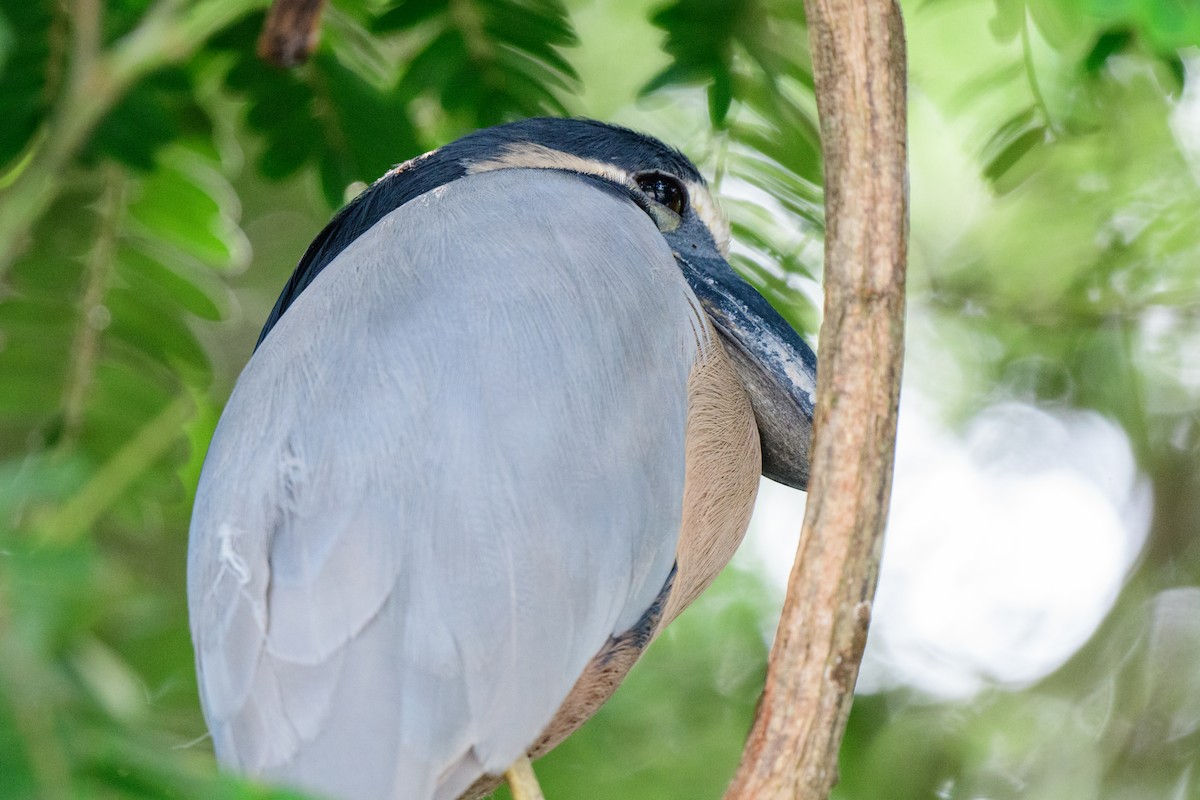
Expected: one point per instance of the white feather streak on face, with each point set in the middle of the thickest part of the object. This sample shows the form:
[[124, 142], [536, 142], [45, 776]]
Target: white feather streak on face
[[710, 214], [536, 156]]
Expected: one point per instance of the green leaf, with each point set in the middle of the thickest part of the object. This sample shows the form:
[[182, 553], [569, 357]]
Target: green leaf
[[186, 204], [720, 97], [701, 40], [675, 74], [1009, 20], [506, 62], [1012, 142], [328, 114], [407, 14], [1108, 43], [286, 155], [154, 113], [1168, 25], [281, 109], [443, 56], [173, 280], [34, 380], [23, 75], [99, 330], [526, 93], [170, 207], [1061, 24], [367, 129], [539, 37], [7, 40], [31, 336], [746, 51], [154, 330]]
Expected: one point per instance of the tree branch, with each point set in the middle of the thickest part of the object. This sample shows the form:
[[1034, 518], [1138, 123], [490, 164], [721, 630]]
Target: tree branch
[[859, 68], [290, 32]]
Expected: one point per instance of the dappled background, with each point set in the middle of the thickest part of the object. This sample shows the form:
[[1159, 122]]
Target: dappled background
[[1037, 631]]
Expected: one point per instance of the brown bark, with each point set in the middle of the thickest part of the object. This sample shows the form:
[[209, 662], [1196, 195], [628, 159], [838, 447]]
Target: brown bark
[[291, 32], [859, 69]]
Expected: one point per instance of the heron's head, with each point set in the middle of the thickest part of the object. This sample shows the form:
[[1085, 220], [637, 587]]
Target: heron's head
[[776, 366]]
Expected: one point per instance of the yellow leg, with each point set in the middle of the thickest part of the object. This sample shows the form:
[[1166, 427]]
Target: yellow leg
[[522, 782]]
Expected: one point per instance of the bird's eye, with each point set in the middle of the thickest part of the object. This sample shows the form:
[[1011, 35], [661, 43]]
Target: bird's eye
[[664, 190]]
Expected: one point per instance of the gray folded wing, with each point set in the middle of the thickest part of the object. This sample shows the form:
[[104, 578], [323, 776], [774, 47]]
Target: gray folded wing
[[452, 470]]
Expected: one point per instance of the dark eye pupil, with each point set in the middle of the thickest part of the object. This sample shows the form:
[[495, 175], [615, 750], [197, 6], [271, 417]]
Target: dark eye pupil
[[664, 190]]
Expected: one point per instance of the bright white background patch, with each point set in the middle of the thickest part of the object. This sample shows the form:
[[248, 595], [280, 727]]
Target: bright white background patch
[[1006, 546]]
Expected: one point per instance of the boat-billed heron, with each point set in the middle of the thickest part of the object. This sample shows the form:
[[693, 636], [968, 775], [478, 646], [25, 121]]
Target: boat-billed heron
[[504, 423]]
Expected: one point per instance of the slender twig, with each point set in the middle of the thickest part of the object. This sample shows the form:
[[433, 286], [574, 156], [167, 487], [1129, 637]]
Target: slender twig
[[86, 21], [522, 781], [858, 66], [85, 349]]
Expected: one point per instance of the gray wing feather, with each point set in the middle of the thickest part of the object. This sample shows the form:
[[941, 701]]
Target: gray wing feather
[[443, 481]]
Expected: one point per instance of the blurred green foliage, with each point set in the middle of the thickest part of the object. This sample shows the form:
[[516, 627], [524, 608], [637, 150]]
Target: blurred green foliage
[[148, 159]]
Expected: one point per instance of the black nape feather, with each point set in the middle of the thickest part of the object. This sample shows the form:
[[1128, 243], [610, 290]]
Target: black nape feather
[[597, 141]]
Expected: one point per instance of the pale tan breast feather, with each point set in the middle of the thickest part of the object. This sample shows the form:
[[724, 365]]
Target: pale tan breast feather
[[723, 466]]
